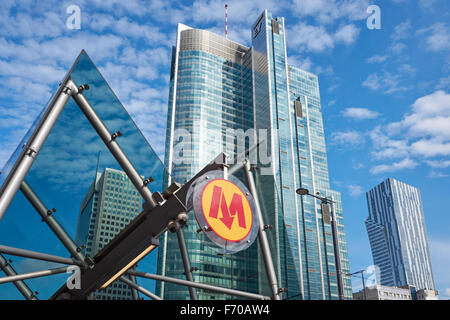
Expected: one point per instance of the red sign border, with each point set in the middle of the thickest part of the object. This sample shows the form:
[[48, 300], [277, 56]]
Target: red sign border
[[251, 211]]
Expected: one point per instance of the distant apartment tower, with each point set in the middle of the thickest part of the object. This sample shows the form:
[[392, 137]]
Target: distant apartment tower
[[109, 205], [396, 229], [216, 86]]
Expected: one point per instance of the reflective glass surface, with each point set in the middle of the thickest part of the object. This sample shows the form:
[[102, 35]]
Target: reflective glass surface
[[75, 173]]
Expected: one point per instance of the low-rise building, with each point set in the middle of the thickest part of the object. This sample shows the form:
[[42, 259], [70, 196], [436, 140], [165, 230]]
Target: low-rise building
[[426, 294], [379, 292]]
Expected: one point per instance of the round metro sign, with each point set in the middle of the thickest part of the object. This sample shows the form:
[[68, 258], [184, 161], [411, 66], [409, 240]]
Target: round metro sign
[[225, 211]]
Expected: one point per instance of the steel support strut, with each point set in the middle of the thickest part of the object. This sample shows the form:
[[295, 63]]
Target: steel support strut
[[20, 285], [111, 144], [203, 286], [186, 261], [39, 256], [32, 148], [139, 288], [50, 220], [263, 241], [35, 274]]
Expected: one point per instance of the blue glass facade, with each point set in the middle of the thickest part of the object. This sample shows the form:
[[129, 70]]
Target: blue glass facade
[[217, 84], [109, 205], [396, 229]]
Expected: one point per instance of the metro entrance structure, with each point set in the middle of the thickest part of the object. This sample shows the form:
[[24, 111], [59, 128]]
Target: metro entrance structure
[[82, 129]]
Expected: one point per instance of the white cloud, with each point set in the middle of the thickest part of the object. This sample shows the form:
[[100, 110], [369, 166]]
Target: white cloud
[[423, 133], [444, 83], [426, 3], [377, 59], [360, 113], [355, 190], [350, 137], [317, 39], [429, 123], [328, 11], [402, 31], [384, 82], [347, 34], [438, 163], [396, 166], [437, 37], [387, 147]]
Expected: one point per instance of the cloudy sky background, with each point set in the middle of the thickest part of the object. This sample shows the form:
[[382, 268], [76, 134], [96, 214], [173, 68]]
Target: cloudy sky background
[[385, 93]]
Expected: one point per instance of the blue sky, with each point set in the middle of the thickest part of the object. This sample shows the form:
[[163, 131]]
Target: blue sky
[[385, 93]]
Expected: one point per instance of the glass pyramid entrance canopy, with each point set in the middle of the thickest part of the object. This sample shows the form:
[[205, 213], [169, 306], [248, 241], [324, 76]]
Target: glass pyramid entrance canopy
[[72, 158]]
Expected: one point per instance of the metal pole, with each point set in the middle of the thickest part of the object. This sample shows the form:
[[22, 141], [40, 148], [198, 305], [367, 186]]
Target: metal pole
[[364, 284], [134, 292], [111, 143], [20, 285], [50, 220], [263, 241], [337, 252], [198, 285], [32, 148], [186, 261], [35, 274], [139, 288], [39, 256]]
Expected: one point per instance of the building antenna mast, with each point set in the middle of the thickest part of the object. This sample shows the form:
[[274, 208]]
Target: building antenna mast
[[226, 21]]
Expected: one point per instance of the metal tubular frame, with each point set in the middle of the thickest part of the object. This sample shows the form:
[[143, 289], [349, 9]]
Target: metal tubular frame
[[15, 180], [134, 292], [32, 148], [39, 256], [186, 260], [31, 275], [337, 251], [203, 286], [263, 241], [139, 288], [19, 284], [50, 220], [111, 144]]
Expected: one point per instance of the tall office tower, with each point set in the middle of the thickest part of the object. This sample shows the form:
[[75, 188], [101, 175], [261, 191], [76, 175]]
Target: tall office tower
[[217, 85], [109, 205], [397, 235]]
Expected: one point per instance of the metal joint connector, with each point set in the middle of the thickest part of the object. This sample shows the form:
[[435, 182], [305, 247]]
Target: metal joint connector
[[148, 180], [83, 87], [172, 226], [89, 262], [8, 263], [67, 90], [267, 227], [182, 218], [49, 213], [115, 135], [31, 152]]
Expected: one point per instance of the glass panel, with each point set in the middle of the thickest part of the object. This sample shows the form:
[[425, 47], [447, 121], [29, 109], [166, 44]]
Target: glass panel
[[282, 238], [75, 173], [17, 153]]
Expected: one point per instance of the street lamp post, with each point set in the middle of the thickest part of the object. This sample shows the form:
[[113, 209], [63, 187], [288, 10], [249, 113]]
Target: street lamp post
[[362, 278], [337, 254]]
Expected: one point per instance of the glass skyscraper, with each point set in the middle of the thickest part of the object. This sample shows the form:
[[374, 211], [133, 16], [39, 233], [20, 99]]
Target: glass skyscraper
[[396, 228], [109, 205], [219, 88]]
